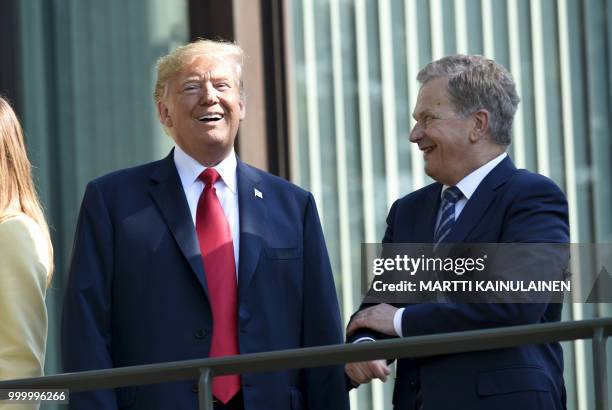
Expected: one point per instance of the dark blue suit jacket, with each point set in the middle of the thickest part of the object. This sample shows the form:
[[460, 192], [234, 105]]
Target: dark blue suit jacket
[[137, 291], [509, 206]]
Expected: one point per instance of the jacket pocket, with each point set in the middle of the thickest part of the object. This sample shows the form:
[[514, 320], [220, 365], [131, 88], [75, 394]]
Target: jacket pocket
[[297, 401], [511, 380]]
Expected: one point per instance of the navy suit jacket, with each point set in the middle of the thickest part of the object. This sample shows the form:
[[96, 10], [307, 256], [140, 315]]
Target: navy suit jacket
[[509, 206], [137, 291]]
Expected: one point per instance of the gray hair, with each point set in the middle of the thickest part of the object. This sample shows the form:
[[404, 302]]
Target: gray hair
[[476, 82]]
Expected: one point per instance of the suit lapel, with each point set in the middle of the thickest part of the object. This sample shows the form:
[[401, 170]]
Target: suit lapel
[[480, 201], [425, 224], [168, 194], [252, 210]]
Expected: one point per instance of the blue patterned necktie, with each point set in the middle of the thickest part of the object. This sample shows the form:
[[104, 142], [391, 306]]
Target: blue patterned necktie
[[444, 224], [446, 215]]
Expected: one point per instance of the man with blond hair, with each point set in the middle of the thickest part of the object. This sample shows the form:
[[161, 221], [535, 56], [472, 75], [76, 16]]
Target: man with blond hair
[[200, 255], [464, 114]]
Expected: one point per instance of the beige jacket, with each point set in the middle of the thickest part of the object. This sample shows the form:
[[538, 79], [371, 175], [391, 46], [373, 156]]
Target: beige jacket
[[24, 263]]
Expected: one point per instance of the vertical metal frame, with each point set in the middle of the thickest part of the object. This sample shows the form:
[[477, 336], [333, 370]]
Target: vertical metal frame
[[600, 370], [365, 126], [205, 390], [212, 19], [274, 52]]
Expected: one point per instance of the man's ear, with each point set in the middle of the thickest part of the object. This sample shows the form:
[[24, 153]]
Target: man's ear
[[480, 128], [242, 105], [164, 114]]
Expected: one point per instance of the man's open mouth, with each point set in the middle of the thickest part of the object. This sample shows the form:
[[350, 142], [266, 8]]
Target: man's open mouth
[[211, 117], [427, 150]]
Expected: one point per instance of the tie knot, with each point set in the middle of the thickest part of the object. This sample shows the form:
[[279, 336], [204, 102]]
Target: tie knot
[[209, 176], [452, 195]]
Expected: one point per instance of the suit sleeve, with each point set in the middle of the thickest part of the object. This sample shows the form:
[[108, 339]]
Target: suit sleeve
[[538, 214], [325, 387], [364, 332], [86, 321], [23, 324]]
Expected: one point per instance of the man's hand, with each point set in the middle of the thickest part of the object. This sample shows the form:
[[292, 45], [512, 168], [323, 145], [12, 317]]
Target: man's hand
[[364, 372], [378, 318]]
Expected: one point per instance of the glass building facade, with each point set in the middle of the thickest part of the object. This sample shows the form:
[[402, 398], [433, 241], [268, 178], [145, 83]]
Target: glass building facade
[[352, 89]]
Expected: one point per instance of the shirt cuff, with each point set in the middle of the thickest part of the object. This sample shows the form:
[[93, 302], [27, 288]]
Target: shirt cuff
[[364, 339], [397, 321]]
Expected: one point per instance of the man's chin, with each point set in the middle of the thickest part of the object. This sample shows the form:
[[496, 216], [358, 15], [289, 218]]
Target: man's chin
[[429, 171], [209, 152]]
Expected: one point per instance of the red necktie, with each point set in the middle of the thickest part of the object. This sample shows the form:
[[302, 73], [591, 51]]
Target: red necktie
[[217, 250]]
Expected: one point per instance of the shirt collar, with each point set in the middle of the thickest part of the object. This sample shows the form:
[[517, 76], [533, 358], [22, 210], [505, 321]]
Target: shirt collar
[[189, 169], [469, 183]]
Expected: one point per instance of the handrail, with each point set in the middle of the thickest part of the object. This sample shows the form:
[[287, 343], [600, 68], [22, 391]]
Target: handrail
[[418, 346]]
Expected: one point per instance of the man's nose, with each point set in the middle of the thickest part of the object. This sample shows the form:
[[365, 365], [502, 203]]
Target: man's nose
[[417, 133], [209, 96]]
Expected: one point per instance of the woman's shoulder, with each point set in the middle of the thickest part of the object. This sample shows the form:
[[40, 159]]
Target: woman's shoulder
[[20, 235], [19, 227]]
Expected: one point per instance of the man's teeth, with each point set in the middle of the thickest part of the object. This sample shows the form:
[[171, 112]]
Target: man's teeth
[[211, 117]]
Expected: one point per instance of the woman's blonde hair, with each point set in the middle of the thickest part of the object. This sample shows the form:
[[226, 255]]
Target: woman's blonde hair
[[17, 191]]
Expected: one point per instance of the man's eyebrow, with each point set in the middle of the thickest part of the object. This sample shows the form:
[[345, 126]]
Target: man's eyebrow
[[428, 112], [220, 77], [212, 77], [423, 113], [191, 78]]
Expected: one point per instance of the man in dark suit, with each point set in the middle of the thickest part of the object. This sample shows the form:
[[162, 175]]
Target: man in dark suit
[[464, 114], [200, 255]]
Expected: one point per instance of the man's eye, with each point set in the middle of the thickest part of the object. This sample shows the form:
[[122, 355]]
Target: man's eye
[[428, 120], [222, 86], [190, 87]]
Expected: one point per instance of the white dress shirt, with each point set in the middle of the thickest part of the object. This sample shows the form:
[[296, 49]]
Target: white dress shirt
[[467, 186], [226, 187]]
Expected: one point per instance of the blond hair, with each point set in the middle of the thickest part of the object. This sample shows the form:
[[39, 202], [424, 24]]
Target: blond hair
[[172, 63], [17, 191]]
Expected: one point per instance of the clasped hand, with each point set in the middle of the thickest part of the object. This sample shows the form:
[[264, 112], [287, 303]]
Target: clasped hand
[[380, 319]]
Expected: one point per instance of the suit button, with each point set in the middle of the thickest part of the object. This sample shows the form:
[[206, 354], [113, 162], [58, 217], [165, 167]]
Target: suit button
[[412, 384], [194, 388], [200, 334]]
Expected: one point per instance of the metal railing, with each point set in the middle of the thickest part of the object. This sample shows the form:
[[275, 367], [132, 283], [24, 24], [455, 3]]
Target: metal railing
[[419, 346]]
